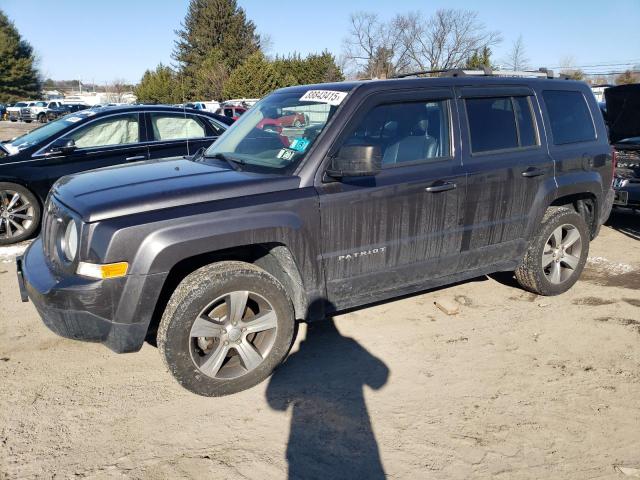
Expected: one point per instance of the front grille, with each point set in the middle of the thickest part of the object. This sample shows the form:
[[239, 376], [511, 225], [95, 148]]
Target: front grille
[[25, 111]]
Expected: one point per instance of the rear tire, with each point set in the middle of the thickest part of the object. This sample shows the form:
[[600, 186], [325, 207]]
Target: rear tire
[[557, 254], [226, 328], [19, 213]]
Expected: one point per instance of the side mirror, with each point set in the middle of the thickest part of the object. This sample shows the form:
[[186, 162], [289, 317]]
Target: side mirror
[[63, 145], [356, 161]]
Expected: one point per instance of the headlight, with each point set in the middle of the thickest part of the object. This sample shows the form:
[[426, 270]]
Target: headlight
[[70, 241]]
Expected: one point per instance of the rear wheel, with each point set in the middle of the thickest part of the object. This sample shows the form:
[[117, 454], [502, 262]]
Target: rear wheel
[[19, 213], [557, 255], [226, 327]]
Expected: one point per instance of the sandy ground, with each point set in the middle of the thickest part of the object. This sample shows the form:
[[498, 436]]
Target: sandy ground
[[514, 386]]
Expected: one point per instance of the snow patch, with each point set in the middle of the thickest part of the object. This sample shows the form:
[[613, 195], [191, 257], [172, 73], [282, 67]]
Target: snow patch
[[615, 268], [8, 254]]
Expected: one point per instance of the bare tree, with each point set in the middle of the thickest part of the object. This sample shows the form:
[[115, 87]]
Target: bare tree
[[374, 48], [117, 90], [446, 40], [516, 58]]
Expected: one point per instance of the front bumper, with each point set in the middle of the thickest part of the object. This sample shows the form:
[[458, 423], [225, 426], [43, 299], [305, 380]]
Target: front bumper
[[116, 312]]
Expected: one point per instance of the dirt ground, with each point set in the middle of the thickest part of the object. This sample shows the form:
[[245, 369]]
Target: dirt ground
[[514, 386]]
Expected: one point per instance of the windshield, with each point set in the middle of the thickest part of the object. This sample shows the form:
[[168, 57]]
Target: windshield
[[20, 104], [42, 133], [278, 131]]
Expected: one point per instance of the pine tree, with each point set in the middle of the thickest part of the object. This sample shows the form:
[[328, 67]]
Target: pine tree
[[159, 86], [18, 74], [255, 78], [479, 59], [216, 28]]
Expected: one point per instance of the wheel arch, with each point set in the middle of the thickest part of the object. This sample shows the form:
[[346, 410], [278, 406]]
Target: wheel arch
[[275, 258]]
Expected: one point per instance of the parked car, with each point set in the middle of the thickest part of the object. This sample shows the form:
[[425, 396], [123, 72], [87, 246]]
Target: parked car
[[37, 111], [57, 112], [623, 118], [205, 106], [283, 119], [399, 186], [88, 139], [14, 111], [232, 112]]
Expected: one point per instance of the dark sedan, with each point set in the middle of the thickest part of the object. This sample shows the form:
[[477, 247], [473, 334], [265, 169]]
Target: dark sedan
[[57, 112], [88, 139]]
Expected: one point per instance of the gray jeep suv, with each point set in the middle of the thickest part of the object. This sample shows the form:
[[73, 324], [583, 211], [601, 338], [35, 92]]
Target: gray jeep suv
[[393, 187]]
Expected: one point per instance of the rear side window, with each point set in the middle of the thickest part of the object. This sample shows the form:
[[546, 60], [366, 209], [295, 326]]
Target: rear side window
[[173, 127], [501, 123], [492, 124], [569, 116]]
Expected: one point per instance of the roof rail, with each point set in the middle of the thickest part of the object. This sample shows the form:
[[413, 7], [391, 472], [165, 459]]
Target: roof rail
[[485, 72]]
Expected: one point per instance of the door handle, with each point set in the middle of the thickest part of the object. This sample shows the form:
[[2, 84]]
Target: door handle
[[441, 187], [533, 172], [136, 158]]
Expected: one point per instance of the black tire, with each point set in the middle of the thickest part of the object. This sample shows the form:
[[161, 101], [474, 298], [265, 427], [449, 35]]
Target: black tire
[[531, 274], [193, 296], [42, 118], [26, 197]]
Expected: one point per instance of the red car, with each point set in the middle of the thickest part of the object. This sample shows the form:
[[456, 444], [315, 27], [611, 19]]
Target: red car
[[286, 119]]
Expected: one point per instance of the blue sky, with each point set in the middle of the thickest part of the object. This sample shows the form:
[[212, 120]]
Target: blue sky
[[104, 40]]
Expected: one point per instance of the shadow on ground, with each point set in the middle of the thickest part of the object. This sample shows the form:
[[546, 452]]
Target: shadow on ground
[[625, 221], [323, 383]]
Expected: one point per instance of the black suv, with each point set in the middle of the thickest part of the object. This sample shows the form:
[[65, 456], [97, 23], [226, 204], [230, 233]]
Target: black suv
[[394, 186], [88, 139]]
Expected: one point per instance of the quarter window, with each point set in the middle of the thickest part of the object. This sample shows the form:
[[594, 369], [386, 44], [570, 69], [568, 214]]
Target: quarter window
[[174, 127], [118, 130], [406, 132], [569, 116]]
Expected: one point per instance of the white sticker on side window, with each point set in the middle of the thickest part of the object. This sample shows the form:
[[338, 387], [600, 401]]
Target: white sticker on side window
[[324, 96]]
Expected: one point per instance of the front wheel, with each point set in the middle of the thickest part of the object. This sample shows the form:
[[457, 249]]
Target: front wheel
[[226, 327], [557, 255], [19, 213]]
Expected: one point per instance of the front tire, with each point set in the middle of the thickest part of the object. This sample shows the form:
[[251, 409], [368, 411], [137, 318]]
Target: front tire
[[226, 328], [557, 255], [19, 213]]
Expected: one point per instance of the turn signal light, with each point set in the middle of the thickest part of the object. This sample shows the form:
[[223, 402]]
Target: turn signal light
[[102, 272]]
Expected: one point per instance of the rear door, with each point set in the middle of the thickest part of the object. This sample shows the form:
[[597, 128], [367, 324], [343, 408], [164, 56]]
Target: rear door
[[389, 233], [172, 134], [506, 166]]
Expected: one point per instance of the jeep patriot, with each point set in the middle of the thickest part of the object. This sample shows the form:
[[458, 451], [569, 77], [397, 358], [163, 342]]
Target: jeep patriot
[[392, 187]]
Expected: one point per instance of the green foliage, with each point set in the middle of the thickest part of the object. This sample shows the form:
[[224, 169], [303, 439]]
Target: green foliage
[[255, 78], [18, 74], [159, 86], [216, 36], [479, 59]]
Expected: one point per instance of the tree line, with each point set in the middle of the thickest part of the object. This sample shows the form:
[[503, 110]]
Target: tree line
[[219, 54]]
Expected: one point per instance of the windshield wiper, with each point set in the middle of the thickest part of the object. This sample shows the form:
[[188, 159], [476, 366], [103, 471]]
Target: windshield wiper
[[234, 163]]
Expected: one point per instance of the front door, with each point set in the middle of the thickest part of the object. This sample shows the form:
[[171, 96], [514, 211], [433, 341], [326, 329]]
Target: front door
[[389, 233], [104, 142]]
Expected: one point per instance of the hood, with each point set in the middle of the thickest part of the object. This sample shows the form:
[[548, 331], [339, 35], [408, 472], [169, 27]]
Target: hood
[[623, 111], [158, 184]]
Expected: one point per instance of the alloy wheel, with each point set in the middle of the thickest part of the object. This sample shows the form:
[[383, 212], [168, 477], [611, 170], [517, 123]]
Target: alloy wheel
[[562, 253], [233, 335], [16, 214]]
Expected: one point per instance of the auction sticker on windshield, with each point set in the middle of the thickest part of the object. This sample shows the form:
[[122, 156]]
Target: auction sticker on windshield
[[324, 96]]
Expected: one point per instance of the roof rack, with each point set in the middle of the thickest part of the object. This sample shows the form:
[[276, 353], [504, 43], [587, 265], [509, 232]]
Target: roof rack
[[485, 72]]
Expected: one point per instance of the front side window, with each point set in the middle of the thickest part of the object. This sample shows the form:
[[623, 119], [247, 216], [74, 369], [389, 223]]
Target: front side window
[[116, 130], [260, 139], [405, 132], [569, 116], [175, 127]]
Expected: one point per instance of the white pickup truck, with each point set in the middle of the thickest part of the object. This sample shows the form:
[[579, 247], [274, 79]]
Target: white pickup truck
[[38, 110]]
